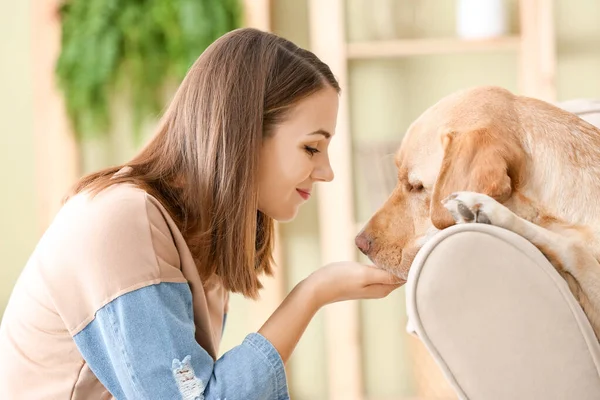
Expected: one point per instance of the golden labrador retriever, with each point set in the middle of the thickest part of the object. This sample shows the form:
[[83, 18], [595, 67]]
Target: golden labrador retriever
[[486, 155]]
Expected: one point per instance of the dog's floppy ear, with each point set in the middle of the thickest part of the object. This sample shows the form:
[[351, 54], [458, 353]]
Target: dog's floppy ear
[[475, 161]]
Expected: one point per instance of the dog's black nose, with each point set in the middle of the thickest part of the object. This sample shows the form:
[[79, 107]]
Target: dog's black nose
[[363, 243]]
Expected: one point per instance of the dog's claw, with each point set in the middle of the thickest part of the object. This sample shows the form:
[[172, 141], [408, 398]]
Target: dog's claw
[[465, 212], [467, 207], [482, 218]]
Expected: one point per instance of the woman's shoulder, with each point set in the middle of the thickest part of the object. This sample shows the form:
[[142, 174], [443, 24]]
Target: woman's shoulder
[[101, 247], [119, 207], [120, 229], [112, 199]]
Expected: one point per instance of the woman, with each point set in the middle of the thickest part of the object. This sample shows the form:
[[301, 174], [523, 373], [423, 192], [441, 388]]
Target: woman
[[126, 293]]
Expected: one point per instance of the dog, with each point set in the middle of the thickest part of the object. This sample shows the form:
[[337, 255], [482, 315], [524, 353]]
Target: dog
[[486, 155]]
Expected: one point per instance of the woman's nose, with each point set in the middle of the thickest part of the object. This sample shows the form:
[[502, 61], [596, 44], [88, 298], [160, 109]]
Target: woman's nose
[[323, 172]]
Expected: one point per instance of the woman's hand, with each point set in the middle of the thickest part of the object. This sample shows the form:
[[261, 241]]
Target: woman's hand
[[349, 280], [331, 283]]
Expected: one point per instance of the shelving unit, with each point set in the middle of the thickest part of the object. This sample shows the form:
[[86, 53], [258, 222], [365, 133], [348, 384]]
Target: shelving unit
[[535, 45]]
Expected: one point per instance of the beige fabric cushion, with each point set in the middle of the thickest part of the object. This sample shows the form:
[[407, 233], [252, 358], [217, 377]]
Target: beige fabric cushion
[[499, 320]]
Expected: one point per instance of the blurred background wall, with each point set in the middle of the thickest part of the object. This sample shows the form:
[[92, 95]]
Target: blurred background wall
[[19, 227], [385, 95]]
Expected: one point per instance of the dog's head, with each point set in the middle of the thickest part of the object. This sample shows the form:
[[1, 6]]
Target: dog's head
[[466, 142]]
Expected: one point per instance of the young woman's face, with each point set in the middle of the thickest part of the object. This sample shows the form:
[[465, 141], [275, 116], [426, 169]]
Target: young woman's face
[[295, 156]]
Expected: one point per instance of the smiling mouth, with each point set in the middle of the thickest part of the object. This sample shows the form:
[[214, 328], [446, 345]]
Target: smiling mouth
[[303, 193]]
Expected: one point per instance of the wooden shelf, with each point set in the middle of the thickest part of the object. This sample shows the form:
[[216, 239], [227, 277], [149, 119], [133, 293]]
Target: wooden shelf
[[411, 47]]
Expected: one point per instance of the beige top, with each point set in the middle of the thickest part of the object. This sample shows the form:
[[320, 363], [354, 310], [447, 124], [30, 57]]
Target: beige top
[[94, 251]]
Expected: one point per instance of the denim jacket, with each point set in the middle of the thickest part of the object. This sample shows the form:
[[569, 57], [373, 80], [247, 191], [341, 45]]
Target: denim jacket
[[110, 305]]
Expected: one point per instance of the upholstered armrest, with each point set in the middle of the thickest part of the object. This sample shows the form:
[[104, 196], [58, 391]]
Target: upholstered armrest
[[499, 320]]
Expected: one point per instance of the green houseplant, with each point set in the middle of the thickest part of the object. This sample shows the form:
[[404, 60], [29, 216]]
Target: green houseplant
[[132, 46]]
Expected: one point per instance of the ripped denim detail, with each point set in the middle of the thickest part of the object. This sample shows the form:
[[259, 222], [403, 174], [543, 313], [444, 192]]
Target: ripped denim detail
[[190, 387]]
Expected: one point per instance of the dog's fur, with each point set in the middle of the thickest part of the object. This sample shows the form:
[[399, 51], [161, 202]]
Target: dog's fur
[[486, 155]]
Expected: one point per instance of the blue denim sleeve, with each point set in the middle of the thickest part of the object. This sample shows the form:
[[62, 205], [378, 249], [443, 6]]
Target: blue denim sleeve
[[142, 346]]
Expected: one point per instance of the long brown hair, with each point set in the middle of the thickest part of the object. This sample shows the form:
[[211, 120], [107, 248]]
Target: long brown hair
[[202, 162]]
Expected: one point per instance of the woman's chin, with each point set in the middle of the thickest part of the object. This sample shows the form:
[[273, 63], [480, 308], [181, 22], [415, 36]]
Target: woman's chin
[[286, 215]]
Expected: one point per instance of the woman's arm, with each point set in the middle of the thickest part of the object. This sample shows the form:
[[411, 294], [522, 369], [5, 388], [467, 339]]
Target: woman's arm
[[289, 321], [334, 282], [142, 346]]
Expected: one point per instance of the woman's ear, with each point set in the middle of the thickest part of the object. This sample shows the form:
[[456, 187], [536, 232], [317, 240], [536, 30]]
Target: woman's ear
[[475, 161]]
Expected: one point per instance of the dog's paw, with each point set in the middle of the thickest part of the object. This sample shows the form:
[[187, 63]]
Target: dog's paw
[[468, 207]]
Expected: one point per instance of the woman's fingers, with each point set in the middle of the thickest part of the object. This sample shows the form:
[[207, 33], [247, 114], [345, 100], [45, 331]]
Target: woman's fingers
[[377, 291], [380, 276]]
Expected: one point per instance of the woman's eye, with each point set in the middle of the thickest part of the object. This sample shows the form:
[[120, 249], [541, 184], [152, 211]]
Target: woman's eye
[[311, 150]]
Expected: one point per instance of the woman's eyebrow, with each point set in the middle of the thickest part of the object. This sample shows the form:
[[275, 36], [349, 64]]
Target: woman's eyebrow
[[321, 132]]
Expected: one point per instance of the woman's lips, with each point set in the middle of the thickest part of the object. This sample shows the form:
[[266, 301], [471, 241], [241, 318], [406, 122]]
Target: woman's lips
[[305, 194]]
